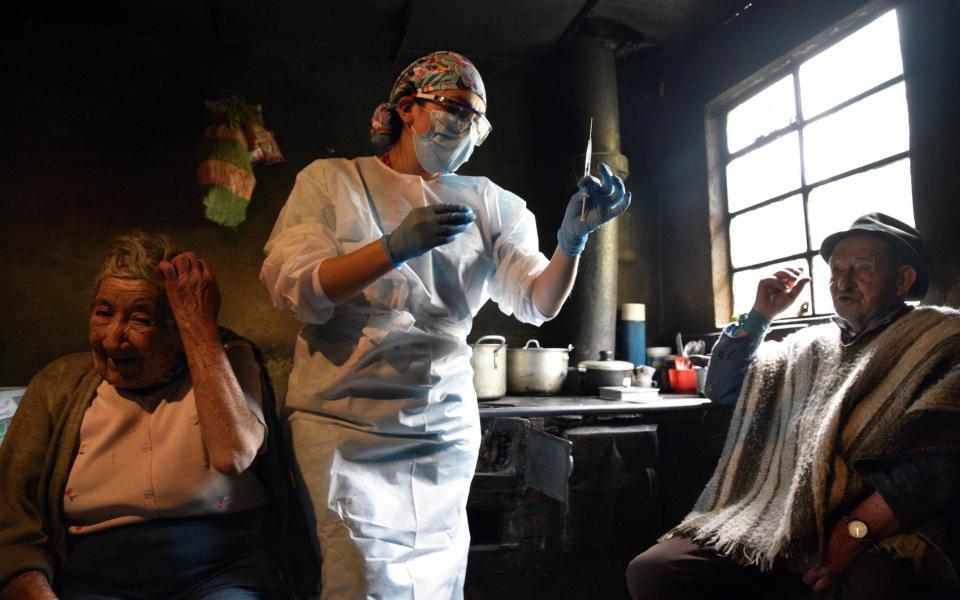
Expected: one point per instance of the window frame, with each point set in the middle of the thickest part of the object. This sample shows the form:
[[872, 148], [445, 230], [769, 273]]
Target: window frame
[[718, 156]]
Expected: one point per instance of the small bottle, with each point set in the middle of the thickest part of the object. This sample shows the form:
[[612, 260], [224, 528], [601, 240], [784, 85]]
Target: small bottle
[[659, 358], [632, 345]]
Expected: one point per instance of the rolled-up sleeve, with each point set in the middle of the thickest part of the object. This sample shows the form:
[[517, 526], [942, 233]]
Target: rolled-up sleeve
[[303, 237], [518, 261], [917, 488], [729, 360]]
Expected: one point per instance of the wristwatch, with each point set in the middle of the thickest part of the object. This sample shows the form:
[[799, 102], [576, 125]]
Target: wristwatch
[[859, 531]]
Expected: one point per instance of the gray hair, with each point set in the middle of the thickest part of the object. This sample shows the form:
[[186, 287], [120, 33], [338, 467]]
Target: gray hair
[[137, 255]]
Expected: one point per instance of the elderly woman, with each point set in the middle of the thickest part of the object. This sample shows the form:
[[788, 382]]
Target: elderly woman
[[125, 472], [386, 260]]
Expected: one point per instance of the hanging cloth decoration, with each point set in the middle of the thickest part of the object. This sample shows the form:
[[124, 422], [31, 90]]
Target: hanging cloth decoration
[[235, 140]]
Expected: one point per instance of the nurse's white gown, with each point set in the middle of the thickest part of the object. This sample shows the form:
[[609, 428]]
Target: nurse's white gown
[[381, 404]]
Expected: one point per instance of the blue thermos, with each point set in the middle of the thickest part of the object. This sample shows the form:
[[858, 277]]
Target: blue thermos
[[632, 334]]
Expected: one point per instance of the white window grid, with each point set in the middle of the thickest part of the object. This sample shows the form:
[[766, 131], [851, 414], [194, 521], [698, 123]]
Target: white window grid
[[719, 157]]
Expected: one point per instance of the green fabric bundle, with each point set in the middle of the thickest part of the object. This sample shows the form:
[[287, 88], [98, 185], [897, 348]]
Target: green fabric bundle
[[226, 168]]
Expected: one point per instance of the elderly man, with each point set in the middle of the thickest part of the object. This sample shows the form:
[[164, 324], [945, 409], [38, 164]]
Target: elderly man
[[839, 477]]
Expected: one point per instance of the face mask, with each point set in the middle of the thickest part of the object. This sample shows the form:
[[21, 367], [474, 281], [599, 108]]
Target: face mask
[[443, 147]]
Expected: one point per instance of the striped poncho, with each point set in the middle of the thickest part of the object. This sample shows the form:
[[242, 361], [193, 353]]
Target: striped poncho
[[809, 412]]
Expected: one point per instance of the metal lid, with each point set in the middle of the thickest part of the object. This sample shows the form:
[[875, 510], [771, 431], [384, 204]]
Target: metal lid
[[534, 346], [606, 363]]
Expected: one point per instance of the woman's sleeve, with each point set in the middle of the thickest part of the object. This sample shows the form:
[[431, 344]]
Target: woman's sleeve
[[23, 541], [303, 237], [516, 253]]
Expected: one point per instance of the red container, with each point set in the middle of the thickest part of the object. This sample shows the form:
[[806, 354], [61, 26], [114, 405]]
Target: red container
[[683, 381]]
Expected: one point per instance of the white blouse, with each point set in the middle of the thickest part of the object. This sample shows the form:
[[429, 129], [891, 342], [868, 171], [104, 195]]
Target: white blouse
[[142, 457]]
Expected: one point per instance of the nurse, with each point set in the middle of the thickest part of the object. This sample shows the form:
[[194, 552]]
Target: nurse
[[386, 260]]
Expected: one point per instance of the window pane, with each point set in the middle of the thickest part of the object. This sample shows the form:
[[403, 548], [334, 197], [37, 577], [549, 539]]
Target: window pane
[[832, 207], [822, 302], [874, 128], [862, 60], [745, 289], [768, 232], [768, 171], [771, 109]]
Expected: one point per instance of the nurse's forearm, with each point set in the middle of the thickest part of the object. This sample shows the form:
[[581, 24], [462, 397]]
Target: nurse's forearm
[[552, 287], [342, 277]]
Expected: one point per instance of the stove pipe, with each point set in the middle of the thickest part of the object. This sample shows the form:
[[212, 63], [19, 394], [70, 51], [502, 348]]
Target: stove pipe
[[591, 75]]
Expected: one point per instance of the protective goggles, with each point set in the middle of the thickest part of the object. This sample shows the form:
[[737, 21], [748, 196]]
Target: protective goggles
[[465, 115]]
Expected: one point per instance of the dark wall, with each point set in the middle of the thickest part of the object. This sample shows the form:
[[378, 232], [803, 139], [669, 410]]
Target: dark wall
[[100, 135], [662, 115]]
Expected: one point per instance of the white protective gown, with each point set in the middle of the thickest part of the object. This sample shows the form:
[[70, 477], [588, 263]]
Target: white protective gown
[[381, 403]]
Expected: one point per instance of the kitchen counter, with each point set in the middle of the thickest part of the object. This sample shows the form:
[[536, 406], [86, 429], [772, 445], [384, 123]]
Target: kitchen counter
[[543, 406], [577, 473]]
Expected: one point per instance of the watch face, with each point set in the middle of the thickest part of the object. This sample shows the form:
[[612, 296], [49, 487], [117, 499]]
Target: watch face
[[857, 529]]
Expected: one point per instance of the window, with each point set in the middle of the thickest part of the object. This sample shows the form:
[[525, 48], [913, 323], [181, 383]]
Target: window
[[802, 149]]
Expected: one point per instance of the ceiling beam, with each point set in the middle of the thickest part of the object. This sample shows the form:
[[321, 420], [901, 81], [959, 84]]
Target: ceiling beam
[[571, 31]]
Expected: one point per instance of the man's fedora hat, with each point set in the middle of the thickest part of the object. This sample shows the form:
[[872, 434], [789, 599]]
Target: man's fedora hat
[[904, 239]]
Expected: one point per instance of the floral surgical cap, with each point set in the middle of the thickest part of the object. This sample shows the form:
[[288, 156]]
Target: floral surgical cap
[[442, 70]]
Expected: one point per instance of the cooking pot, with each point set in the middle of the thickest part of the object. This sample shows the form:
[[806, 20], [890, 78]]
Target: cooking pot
[[536, 370], [604, 372], [489, 362]]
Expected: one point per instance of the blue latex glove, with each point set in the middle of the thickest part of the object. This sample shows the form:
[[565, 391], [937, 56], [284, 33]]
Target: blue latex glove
[[425, 228], [605, 197]]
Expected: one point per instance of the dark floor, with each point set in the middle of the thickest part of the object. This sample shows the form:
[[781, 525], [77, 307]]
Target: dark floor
[[501, 575]]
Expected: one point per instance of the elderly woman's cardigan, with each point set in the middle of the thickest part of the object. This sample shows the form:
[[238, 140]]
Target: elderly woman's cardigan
[[810, 414], [38, 452]]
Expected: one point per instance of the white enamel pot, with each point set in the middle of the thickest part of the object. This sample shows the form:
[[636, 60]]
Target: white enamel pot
[[536, 370], [489, 363]]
